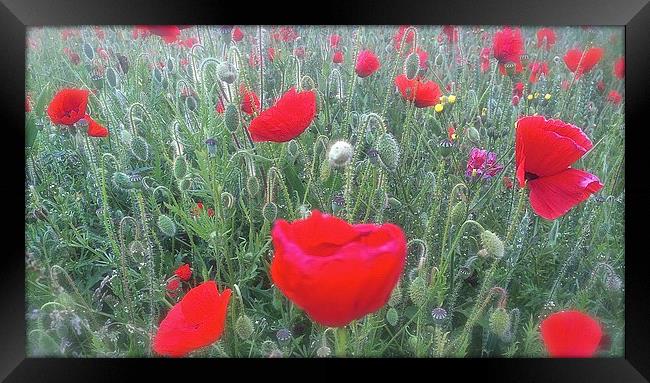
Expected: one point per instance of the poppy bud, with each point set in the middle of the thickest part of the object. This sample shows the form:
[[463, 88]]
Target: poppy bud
[[446, 147], [136, 249], [140, 148], [394, 203], [473, 134], [337, 203], [231, 118], [492, 243], [613, 282], [438, 60], [411, 65], [270, 211], [252, 185], [185, 184], [244, 327], [458, 213], [525, 59], [499, 321], [388, 151], [180, 167], [510, 68], [392, 317], [293, 150], [111, 77], [89, 52], [211, 144], [418, 291], [340, 154], [227, 73], [395, 296], [191, 103], [157, 75], [170, 65], [166, 225], [121, 181]]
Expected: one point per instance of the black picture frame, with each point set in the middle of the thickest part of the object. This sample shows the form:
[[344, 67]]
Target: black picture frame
[[17, 15]]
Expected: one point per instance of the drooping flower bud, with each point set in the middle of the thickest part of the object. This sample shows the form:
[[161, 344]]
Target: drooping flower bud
[[244, 327], [340, 154], [231, 118], [121, 181], [395, 296], [411, 65], [392, 317], [473, 134], [227, 72], [458, 213], [166, 225], [388, 151], [499, 321], [140, 148], [270, 211], [252, 185], [492, 243], [180, 167], [418, 291]]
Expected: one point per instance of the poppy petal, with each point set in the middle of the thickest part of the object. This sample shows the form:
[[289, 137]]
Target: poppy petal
[[553, 196], [571, 334]]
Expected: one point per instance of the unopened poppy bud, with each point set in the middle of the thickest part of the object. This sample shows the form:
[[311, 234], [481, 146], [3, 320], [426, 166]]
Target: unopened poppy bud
[[244, 327], [388, 151], [293, 149], [231, 118], [392, 317], [613, 282], [510, 68], [191, 103], [180, 167], [395, 296], [473, 134], [185, 184], [140, 148], [89, 52], [499, 321], [166, 225], [211, 144], [252, 185], [121, 181], [270, 211], [411, 65], [446, 146], [394, 203], [492, 243], [126, 137], [227, 200], [157, 75], [418, 291], [227, 73], [438, 60], [340, 154], [136, 249], [111, 78], [458, 213], [337, 203], [170, 65], [525, 59]]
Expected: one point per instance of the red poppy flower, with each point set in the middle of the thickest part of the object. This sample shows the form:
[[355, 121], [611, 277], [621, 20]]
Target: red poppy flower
[[210, 212], [485, 59], [571, 334], [507, 183], [189, 43], [537, 69], [508, 45], [28, 104], [249, 101], [614, 97], [184, 62], [544, 152], [299, 52], [68, 106], [285, 120], [169, 33], [451, 133], [196, 321], [581, 64], [451, 32], [423, 92], [220, 108], [619, 68], [600, 86], [271, 53], [72, 56], [338, 57], [335, 271], [103, 54], [334, 40], [397, 39], [95, 129], [545, 38], [285, 34], [565, 84], [184, 272], [237, 34], [367, 63], [424, 56], [172, 286], [518, 89]]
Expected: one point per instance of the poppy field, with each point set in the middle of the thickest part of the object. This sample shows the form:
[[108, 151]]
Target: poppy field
[[330, 191]]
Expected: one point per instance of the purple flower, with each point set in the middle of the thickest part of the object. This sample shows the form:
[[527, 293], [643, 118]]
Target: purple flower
[[482, 163]]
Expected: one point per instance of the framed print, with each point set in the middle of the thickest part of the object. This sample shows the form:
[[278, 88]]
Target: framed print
[[455, 187]]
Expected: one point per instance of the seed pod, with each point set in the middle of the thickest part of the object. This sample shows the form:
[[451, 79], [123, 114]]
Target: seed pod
[[388, 151], [392, 317], [323, 351], [244, 327], [166, 225], [395, 296], [180, 167], [459, 213], [411, 65], [231, 118], [499, 321], [418, 291], [227, 73], [492, 243], [446, 147], [140, 148], [270, 211], [252, 186], [121, 181]]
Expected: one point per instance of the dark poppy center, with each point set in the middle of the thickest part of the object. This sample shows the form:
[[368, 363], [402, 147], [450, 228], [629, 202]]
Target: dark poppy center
[[531, 176]]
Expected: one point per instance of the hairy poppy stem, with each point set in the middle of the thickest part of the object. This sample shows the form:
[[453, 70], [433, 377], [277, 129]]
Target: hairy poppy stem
[[341, 339]]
